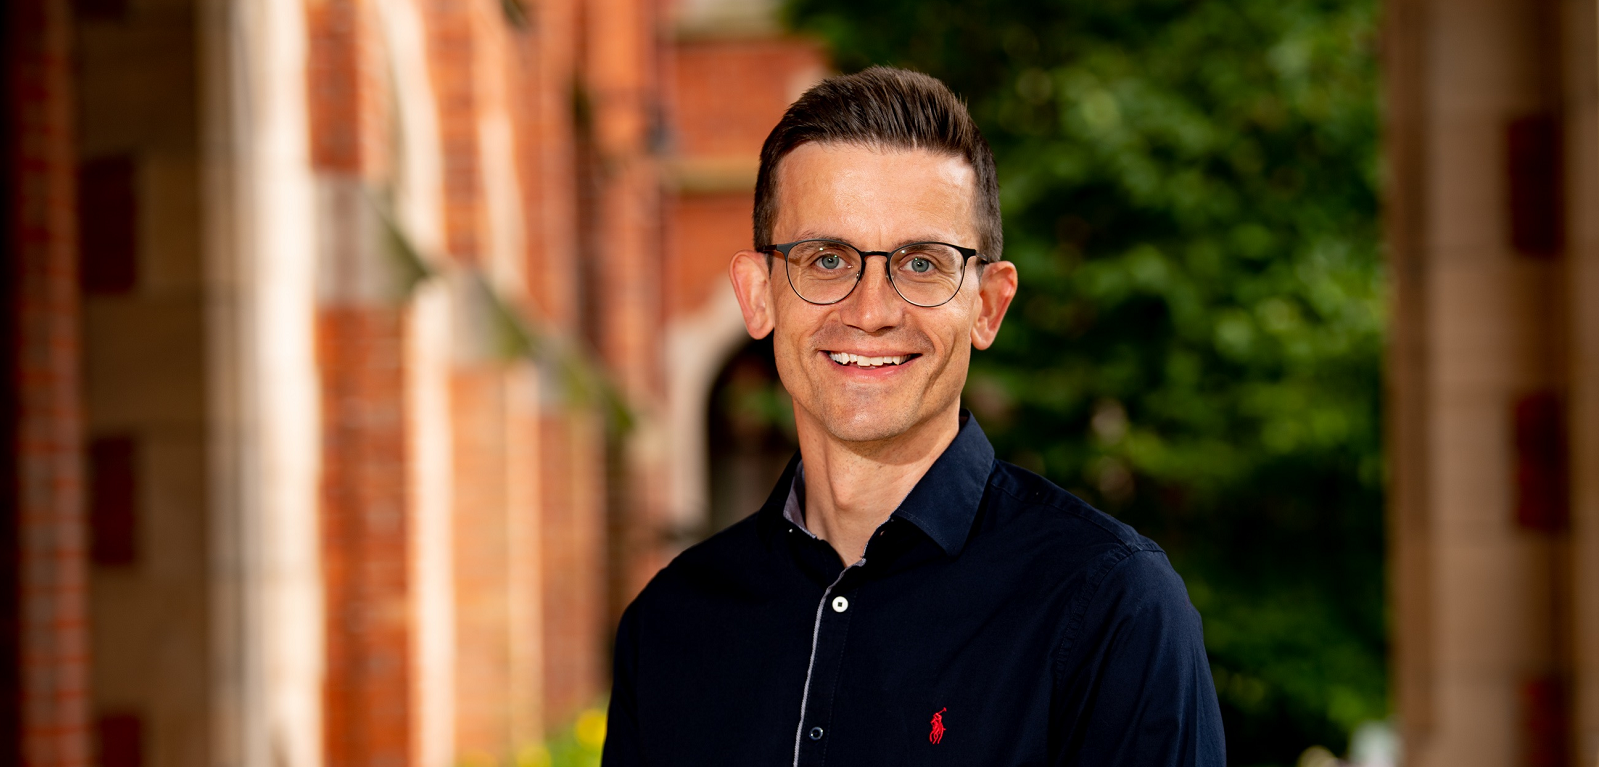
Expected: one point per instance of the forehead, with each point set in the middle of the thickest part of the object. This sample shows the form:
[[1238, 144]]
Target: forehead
[[874, 197]]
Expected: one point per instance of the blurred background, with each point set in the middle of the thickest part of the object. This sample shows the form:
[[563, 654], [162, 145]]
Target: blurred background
[[365, 357]]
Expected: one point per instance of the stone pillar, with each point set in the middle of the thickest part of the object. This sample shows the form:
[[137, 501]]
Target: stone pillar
[[1580, 64], [1489, 152], [256, 214]]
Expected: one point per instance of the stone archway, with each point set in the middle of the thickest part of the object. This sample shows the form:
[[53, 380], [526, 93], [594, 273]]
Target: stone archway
[[730, 420], [750, 430]]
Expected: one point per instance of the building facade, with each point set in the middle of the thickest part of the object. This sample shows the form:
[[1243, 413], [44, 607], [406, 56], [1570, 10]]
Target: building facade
[[358, 353]]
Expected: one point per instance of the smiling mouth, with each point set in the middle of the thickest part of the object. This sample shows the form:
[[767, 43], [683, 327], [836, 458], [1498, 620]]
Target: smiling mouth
[[846, 359]]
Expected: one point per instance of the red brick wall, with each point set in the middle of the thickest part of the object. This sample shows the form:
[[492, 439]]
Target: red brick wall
[[707, 229], [452, 64], [595, 242], [573, 550], [545, 134], [571, 532], [365, 532], [52, 645], [729, 93], [369, 696], [345, 83], [596, 543], [482, 586], [333, 83], [621, 59], [622, 66], [571, 535]]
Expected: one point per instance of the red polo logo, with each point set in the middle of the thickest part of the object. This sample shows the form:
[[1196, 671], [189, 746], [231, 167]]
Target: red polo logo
[[938, 727]]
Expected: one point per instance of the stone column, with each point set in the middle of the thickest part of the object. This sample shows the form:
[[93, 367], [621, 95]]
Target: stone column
[[1486, 222], [1580, 27]]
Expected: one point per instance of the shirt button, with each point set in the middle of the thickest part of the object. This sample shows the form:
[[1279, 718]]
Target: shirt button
[[840, 604], [816, 733]]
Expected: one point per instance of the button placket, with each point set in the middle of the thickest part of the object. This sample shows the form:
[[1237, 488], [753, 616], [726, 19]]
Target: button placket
[[821, 678]]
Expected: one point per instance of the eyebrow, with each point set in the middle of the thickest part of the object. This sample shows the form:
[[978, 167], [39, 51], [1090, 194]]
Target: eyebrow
[[814, 235]]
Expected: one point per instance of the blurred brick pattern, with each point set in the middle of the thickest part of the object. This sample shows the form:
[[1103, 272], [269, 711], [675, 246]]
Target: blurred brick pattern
[[52, 641], [365, 531], [483, 635], [567, 177], [573, 550]]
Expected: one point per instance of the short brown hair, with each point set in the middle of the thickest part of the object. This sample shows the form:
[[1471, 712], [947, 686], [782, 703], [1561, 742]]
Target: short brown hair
[[882, 107]]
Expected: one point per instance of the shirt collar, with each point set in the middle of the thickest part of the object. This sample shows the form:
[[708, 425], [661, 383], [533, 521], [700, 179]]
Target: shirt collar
[[794, 505], [942, 504]]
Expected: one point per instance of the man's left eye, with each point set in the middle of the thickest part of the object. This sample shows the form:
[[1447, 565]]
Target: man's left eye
[[920, 265]]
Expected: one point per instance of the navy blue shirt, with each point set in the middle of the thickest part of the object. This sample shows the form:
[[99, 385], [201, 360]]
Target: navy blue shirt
[[994, 620]]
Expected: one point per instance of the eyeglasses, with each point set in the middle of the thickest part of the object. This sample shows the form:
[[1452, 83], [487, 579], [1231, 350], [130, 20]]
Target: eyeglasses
[[925, 274]]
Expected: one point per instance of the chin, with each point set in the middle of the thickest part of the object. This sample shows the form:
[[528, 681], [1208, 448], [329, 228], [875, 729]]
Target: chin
[[856, 423]]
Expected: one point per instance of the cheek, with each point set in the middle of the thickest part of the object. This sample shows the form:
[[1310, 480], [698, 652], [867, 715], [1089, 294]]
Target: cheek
[[789, 349], [956, 363], [955, 332], [789, 372]]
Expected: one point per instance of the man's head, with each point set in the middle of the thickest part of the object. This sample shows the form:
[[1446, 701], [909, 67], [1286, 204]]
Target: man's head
[[877, 162], [885, 109]]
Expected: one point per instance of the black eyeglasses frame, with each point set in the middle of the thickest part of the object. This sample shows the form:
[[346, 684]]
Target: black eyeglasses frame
[[967, 254]]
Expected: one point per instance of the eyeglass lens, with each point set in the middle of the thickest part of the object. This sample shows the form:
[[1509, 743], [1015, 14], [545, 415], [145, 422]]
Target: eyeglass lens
[[824, 271]]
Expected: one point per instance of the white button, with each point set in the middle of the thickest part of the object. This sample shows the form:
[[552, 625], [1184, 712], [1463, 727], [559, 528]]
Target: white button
[[840, 604]]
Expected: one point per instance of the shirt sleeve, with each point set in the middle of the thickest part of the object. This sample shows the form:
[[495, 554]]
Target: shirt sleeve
[[1133, 681], [622, 741]]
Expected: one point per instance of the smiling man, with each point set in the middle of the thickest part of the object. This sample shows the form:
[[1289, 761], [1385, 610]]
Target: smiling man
[[902, 598]]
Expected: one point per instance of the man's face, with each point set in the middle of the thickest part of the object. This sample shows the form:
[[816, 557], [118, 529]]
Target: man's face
[[876, 200]]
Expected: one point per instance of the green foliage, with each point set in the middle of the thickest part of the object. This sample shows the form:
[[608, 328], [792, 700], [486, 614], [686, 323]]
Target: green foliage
[[579, 746], [1190, 195]]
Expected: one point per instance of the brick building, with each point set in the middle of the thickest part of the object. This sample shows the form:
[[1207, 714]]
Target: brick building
[[357, 364], [360, 353]]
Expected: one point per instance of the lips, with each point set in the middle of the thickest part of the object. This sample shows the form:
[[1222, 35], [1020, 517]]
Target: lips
[[849, 359]]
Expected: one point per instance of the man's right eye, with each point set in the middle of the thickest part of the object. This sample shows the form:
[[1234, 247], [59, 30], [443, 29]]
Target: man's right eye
[[830, 261]]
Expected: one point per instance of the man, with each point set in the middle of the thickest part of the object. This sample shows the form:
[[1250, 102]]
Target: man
[[902, 597]]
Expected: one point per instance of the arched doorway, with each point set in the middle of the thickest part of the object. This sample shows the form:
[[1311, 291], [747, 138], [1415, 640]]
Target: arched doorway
[[750, 430]]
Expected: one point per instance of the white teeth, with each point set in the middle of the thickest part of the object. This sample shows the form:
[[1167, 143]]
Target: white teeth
[[845, 358]]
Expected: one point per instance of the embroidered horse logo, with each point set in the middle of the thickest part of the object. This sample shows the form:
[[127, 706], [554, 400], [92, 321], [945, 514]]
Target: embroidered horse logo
[[938, 727]]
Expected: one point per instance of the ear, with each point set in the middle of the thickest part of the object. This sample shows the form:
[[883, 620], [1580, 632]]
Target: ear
[[995, 289], [752, 284]]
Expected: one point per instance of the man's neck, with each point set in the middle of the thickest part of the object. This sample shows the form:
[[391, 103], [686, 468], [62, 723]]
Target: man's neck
[[851, 488]]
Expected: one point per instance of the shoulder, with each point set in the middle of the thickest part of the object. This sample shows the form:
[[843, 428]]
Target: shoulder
[[717, 567], [1063, 522], [1115, 573]]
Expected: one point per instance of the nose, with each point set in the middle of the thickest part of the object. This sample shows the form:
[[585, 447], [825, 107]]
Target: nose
[[873, 305]]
